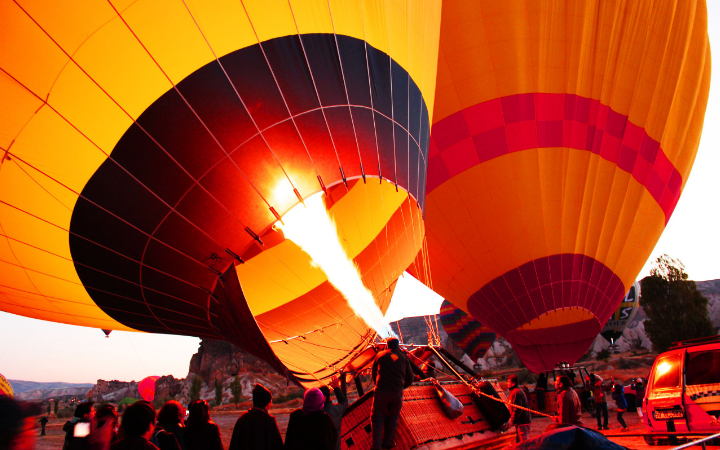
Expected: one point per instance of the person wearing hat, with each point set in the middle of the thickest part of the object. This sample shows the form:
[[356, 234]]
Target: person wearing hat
[[257, 429], [519, 417], [311, 428], [392, 374]]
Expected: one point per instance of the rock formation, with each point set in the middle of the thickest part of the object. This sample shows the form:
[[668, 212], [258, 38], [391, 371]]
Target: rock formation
[[711, 290], [58, 393], [222, 360], [114, 390]]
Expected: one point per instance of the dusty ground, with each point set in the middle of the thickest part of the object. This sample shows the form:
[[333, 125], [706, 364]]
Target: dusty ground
[[226, 421]]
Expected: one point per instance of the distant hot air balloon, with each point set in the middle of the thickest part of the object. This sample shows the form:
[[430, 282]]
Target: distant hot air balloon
[[623, 315], [146, 388], [149, 150], [5, 387], [472, 337], [563, 133], [107, 333]]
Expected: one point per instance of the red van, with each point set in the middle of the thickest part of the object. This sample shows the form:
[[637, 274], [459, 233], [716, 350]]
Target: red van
[[683, 392]]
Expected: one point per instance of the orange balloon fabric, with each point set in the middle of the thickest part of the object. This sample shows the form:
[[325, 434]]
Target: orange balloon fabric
[[148, 147], [563, 134]]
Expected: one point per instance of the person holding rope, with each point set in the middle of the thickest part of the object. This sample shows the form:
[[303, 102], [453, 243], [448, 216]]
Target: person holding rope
[[568, 405], [519, 417], [392, 374]]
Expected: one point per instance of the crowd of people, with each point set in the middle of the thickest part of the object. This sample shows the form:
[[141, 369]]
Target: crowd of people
[[569, 405], [315, 426]]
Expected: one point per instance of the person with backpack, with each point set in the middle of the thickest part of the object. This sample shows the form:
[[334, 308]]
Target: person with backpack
[[619, 396], [170, 427], [78, 429]]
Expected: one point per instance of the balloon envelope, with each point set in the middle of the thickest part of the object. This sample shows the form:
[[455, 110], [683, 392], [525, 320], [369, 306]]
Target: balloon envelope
[[150, 149], [623, 315], [5, 387], [146, 388], [563, 134], [471, 336]]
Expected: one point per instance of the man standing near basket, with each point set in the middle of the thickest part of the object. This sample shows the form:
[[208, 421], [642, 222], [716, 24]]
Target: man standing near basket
[[392, 374]]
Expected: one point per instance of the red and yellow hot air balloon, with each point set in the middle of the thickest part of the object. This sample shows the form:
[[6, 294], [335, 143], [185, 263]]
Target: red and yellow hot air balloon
[[563, 134], [149, 148]]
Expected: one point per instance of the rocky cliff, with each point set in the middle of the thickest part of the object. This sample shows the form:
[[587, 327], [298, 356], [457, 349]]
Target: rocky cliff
[[222, 360], [711, 290]]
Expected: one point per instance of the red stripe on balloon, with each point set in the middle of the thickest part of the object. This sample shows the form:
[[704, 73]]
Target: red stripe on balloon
[[526, 121]]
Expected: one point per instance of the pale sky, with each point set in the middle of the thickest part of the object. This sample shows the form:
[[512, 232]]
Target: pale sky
[[34, 350]]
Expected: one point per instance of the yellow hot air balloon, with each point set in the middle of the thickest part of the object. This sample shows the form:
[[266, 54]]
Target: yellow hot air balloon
[[149, 149], [563, 133]]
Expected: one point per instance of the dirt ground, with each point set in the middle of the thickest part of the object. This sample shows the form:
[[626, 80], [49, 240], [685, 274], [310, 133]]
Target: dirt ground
[[226, 421]]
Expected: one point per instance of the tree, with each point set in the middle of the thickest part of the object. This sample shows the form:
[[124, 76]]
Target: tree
[[236, 390], [55, 407], [49, 407], [218, 392], [195, 388], [676, 310]]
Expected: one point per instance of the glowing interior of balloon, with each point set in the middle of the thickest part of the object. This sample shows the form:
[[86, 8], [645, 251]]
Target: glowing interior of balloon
[[311, 228]]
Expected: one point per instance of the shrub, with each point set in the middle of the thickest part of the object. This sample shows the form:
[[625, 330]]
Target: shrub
[[283, 398], [603, 355], [676, 310], [159, 402], [236, 390], [623, 364], [195, 388], [218, 392]]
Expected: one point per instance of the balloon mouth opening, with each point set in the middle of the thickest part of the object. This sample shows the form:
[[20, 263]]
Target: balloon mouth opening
[[558, 317], [310, 227]]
